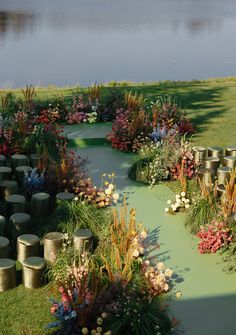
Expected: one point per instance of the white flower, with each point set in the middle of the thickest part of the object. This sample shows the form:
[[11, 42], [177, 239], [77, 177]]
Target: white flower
[[177, 196], [167, 210], [182, 194], [107, 191], [168, 273], [141, 250], [115, 196], [136, 253], [147, 262], [187, 201], [169, 202], [187, 206], [111, 187], [160, 266]]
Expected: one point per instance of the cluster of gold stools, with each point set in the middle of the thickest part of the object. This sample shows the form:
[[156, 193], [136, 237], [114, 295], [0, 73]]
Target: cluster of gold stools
[[16, 223], [215, 164]]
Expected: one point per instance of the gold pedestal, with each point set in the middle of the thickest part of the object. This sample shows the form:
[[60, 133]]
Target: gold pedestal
[[52, 244], [5, 172], [20, 224], [15, 204], [199, 154], [223, 174], [230, 150], [20, 174], [212, 163], [7, 274], [206, 176], [82, 240], [216, 151], [19, 160], [40, 204], [7, 188], [4, 247], [220, 189], [27, 246], [230, 161], [33, 268], [2, 160]]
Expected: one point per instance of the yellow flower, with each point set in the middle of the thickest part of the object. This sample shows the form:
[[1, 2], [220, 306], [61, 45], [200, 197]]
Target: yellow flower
[[107, 191], [104, 315], [168, 273], [115, 196], [178, 294], [99, 330], [85, 331], [111, 187], [99, 321]]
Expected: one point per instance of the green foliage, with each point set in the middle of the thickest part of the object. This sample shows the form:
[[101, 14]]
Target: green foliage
[[200, 214], [8, 104], [80, 215], [138, 315]]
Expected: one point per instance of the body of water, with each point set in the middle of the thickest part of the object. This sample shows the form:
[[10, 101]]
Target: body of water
[[67, 42]]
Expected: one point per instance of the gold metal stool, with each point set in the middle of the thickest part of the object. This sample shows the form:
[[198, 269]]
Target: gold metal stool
[[5, 172], [4, 247], [82, 240], [27, 246], [20, 224], [7, 274], [199, 154], [229, 161], [33, 268], [15, 203], [19, 160], [216, 151], [7, 188], [212, 163], [52, 244], [20, 174], [223, 174]]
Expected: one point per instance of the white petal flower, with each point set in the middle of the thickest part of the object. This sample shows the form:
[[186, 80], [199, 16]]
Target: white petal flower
[[182, 194], [167, 210], [169, 202], [107, 191]]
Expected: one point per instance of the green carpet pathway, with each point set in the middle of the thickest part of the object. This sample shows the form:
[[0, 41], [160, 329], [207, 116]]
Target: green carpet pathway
[[208, 295]]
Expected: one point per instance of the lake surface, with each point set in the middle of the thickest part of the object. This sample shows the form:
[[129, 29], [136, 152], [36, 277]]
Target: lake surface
[[67, 42]]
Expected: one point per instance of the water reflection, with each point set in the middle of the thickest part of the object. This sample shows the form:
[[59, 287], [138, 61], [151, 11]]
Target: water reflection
[[16, 22], [67, 42]]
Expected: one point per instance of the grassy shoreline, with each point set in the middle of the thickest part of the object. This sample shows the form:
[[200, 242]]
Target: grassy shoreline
[[210, 104]]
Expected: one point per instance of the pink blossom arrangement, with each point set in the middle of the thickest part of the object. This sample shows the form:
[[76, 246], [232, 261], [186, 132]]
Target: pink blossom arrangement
[[213, 237]]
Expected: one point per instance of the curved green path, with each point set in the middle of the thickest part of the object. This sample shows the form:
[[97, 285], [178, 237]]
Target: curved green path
[[207, 305]]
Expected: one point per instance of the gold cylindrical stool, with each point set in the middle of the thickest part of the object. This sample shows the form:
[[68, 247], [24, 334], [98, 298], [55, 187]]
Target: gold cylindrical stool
[[7, 187], [52, 244], [2, 160], [220, 189], [212, 163], [27, 246], [223, 174], [20, 174], [230, 150], [230, 161], [15, 204], [7, 274], [5, 172], [35, 160], [216, 151], [4, 247], [40, 204], [82, 240], [2, 225], [65, 196], [33, 268], [19, 160], [206, 176], [199, 154], [20, 224]]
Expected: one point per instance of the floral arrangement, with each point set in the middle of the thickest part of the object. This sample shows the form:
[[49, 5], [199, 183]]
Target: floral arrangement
[[181, 203], [213, 237], [116, 289]]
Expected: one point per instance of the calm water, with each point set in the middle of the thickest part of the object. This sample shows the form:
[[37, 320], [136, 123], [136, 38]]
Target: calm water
[[66, 42]]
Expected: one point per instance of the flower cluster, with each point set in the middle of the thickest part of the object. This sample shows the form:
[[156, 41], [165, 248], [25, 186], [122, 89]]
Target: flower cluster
[[185, 164], [158, 277], [48, 115], [180, 203], [213, 237], [34, 181], [92, 117]]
